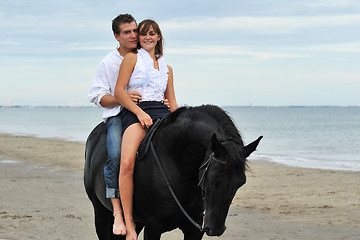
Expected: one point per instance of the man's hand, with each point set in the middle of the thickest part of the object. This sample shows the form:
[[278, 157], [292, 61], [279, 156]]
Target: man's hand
[[135, 96], [166, 102]]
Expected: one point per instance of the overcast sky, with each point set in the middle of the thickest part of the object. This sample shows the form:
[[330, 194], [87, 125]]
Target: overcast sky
[[235, 52]]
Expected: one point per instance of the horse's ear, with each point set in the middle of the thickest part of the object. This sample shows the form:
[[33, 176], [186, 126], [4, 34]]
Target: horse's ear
[[248, 149], [216, 145]]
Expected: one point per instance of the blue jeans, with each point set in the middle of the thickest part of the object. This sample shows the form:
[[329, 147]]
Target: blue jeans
[[112, 167]]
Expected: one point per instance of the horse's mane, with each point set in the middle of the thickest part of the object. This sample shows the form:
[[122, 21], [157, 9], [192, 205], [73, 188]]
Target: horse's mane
[[231, 134], [225, 121], [218, 114]]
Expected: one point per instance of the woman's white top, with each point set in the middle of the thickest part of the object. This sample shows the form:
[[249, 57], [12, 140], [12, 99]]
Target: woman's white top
[[147, 80]]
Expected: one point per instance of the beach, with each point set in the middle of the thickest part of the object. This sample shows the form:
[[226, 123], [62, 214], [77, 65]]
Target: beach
[[42, 197]]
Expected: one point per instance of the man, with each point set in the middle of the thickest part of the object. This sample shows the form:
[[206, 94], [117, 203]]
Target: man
[[101, 94]]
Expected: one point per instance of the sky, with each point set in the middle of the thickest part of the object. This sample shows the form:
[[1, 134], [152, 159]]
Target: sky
[[228, 53]]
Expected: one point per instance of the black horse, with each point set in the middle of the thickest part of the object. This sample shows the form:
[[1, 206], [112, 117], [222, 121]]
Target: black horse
[[204, 159]]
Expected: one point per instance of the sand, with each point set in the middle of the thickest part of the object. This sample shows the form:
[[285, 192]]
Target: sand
[[42, 197]]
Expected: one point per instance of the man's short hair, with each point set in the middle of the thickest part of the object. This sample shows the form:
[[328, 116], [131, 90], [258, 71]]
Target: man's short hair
[[122, 18]]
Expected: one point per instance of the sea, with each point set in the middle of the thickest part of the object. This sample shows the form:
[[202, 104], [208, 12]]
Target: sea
[[319, 137]]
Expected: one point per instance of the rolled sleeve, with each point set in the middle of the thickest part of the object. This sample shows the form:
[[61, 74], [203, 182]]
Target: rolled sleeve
[[96, 99]]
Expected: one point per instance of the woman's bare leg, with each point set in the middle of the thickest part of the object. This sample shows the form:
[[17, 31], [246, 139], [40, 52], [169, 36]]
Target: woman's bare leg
[[132, 138], [119, 225]]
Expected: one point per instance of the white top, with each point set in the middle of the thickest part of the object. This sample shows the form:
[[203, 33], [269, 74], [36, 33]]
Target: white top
[[105, 80], [147, 80]]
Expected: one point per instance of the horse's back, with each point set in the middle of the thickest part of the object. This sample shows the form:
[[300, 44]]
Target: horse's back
[[95, 159], [96, 136]]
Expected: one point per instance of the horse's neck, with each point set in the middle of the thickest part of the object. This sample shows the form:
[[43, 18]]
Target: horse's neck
[[190, 142]]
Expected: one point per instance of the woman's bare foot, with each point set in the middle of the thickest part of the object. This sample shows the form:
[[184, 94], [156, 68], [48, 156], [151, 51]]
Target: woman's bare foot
[[119, 226], [131, 232]]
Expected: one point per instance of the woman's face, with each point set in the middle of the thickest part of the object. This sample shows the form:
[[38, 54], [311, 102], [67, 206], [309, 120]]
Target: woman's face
[[149, 39]]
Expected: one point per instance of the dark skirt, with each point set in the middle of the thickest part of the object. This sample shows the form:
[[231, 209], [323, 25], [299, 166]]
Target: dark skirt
[[156, 110]]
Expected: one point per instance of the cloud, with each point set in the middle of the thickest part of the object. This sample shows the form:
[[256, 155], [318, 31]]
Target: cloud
[[232, 51], [351, 47], [91, 46], [264, 25], [332, 3], [9, 42]]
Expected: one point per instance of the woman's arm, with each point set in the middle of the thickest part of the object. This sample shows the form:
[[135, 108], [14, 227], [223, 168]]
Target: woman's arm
[[126, 68], [170, 92]]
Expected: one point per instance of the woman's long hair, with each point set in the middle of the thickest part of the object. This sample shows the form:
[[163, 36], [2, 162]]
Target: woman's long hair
[[144, 27]]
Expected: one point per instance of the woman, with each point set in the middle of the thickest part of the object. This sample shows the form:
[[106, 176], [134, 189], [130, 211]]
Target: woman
[[147, 73]]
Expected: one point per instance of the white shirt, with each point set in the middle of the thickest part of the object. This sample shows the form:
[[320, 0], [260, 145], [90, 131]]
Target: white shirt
[[147, 80], [105, 80]]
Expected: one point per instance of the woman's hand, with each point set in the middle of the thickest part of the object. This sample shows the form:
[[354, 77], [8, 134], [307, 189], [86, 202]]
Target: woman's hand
[[144, 119]]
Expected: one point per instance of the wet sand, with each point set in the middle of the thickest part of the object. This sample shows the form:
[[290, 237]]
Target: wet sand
[[42, 197]]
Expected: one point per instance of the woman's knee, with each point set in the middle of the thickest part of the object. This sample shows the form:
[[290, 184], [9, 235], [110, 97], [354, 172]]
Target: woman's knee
[[132, 138], [127, 166]]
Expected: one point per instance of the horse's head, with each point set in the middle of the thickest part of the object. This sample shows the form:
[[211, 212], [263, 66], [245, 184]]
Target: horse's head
[[221, 175]]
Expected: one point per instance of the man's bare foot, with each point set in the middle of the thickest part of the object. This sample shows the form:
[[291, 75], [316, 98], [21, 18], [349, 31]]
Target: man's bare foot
[[119, 226]]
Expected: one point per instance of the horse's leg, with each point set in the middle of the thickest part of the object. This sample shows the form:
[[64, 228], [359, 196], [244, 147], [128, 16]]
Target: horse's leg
[[139, 228], [104, 220], [193, 235], [151, 234], [191, 232]]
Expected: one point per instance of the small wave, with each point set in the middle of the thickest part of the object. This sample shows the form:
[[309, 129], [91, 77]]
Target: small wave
[[309, 163]]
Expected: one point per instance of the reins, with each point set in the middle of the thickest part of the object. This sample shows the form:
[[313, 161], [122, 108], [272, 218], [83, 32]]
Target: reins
[[201, 183], [172, 191], [205, 164]]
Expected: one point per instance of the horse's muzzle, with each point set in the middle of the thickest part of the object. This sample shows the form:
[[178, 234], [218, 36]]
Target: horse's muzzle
[[214, 232]]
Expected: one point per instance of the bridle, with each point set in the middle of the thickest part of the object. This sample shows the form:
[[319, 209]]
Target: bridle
[[206, 164]]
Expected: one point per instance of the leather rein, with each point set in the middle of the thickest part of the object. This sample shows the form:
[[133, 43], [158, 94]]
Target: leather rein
[[206, 164]]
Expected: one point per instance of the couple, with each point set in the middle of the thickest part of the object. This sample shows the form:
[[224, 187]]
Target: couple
[[136, 77]]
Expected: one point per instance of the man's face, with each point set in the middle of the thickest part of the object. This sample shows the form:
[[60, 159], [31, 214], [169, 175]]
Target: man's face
[[127, 36]]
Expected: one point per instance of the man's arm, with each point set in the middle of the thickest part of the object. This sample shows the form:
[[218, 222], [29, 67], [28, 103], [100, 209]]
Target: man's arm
[[100, 93], [109, 101]]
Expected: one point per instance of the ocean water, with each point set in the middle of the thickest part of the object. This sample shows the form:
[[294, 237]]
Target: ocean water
[[311, 137]]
